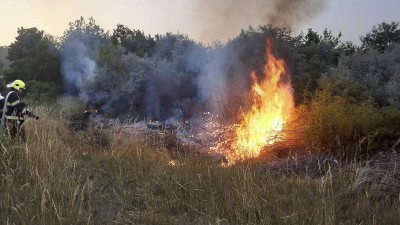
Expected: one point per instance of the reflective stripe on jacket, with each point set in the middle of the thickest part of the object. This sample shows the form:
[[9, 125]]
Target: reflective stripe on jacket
[[13, 103], [14, 118]]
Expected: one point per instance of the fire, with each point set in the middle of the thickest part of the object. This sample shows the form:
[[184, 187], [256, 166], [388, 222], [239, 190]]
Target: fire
[[270, 111]]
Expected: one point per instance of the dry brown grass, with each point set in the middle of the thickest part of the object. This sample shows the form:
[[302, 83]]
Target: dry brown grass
[[380, 176], [102, 176], [40, 180]]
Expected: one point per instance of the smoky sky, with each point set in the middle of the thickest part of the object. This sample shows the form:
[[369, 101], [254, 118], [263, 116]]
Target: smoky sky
[[225, 18]]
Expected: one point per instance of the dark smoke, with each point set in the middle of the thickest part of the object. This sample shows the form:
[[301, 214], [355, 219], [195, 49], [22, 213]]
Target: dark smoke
[[223, 19], [292, 13]]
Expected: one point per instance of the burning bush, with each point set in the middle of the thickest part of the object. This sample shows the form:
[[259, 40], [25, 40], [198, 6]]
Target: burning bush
[[270, 110]]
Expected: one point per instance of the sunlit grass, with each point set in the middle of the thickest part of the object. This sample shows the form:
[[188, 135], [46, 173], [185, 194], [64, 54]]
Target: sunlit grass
[[112, 177]]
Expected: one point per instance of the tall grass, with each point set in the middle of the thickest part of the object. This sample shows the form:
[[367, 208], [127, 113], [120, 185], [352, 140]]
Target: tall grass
[[41, 182], [60, 177]]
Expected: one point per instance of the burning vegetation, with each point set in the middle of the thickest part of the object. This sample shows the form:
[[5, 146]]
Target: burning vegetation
[[270, 112], [271, 105], [165, 113]]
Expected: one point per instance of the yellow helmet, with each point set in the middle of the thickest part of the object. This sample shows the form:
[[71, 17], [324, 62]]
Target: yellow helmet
[[18, 85]]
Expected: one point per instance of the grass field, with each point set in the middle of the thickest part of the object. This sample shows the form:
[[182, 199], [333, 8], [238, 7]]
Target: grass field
[[105, 177]]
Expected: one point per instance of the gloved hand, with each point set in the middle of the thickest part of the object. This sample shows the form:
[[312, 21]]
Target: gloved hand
[[20, 106]]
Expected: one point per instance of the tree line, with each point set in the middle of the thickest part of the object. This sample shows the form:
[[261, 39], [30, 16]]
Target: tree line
[[129, 72]]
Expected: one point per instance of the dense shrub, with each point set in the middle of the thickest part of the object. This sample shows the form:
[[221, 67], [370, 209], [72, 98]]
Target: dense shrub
[[42, 93], [334, 122], [340, 123], [379, 72]]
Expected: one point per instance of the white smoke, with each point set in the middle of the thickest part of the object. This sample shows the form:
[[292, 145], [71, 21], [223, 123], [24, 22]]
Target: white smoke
[[77, 68], [212, 76]]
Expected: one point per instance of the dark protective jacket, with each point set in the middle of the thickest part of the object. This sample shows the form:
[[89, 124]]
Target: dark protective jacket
[[2, 100], [14, 106]]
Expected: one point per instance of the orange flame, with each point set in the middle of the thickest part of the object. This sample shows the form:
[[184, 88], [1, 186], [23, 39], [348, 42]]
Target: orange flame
[[271, 109]]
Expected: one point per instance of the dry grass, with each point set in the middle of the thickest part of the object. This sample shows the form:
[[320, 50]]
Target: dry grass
[[114, 177], [41, 182], [380, 176]]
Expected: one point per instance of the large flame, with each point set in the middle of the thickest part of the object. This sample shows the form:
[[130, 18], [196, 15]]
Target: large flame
[[271, 109]]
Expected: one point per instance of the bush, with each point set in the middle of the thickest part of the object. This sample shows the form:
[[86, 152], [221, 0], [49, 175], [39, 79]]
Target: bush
[[333, 122], [379, 72], [42, 93], [337, 124]]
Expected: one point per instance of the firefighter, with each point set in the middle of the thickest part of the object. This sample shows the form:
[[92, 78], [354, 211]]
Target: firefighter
[[13, 116]]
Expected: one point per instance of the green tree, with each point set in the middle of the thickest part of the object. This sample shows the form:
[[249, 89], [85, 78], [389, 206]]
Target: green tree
[[347, 48], [317, 54], [3, 57], [311, 43], [2, 83], [119, 88], [382, 37], [378, 71], [34, 57], [85, 47], [134, 41], [95, 40]]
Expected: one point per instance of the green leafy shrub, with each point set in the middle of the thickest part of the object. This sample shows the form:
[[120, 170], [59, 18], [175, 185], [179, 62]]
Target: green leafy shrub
[[339, 123], [42, 93]]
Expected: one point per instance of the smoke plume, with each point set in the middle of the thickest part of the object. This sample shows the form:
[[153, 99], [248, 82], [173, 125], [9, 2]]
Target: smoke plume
[[77, 68], [182, 74], [224, 19]]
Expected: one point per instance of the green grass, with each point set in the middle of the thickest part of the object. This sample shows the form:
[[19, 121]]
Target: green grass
[[61, 177]]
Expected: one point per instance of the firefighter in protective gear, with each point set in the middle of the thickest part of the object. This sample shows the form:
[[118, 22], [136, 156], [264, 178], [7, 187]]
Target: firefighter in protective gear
[[12, 117]]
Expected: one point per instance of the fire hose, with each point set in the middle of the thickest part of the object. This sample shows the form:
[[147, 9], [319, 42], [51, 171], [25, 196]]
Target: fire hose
[[30, 114]]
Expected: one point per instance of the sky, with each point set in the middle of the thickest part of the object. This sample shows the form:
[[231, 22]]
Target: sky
[[352, 17]]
